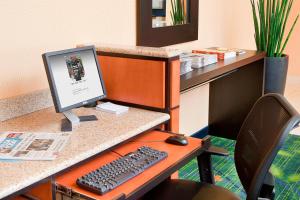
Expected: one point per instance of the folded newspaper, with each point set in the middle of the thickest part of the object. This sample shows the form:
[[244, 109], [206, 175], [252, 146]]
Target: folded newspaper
[[31, 146]]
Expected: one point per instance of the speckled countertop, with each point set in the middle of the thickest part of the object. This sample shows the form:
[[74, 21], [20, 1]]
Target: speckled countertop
[[88, 139], [137, 50]]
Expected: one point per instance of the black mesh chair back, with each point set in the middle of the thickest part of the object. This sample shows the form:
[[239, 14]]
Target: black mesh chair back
[[260, 138]]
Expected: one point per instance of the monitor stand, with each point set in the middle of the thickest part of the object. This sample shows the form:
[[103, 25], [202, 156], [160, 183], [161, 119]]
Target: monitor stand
[[73, 120]]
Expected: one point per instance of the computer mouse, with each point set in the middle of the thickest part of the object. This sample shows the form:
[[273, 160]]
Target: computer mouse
[[177, 140]]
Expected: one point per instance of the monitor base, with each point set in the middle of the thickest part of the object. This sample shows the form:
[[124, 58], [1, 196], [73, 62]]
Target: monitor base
[[72, 120]]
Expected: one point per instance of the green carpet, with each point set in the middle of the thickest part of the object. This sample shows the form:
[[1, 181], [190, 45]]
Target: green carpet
[[285, 168]]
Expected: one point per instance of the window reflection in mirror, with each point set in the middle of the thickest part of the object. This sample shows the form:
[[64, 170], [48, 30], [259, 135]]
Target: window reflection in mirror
[[170, 12]]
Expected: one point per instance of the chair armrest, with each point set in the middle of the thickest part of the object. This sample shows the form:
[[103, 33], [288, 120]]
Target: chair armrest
[[213, 150], [204, 160]]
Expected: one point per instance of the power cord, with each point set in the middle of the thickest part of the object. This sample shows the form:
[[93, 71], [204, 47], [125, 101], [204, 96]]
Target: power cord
[[147, 141], [29, 197], [142, 141], [117, 153]]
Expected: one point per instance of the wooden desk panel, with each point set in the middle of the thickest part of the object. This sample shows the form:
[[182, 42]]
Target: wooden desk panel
[[231, 98], [154, 139], [135, 81], [210, 72], [147, 82]]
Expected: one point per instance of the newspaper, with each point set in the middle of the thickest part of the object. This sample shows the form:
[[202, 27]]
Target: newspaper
[[31, 146]]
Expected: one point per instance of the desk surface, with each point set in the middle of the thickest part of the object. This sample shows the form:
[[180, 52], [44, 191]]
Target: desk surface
[[177, 156], [89, 139], [157, 52], [207, 73]]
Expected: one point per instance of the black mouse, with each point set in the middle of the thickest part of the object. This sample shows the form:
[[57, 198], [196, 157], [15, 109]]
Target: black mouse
[[177, 140]]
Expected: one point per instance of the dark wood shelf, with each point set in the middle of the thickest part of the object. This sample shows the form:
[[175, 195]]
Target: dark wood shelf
[[210, 72]]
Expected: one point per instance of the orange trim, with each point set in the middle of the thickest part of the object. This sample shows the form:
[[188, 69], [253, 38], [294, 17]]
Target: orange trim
[[175, 154], [134, 80], [175, 83], [174, 120], [175, 175]]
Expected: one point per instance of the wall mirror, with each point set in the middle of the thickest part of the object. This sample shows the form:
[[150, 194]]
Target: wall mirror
[[166, 22], [170, 12]]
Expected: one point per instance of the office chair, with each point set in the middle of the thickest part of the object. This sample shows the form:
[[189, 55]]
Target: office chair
[[261, 136]]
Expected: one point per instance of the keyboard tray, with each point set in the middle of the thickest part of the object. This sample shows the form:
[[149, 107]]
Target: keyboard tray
[[177, 156]]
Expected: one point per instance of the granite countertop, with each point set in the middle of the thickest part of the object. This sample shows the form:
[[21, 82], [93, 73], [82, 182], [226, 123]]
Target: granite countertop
[[137, 50], [88, 139]]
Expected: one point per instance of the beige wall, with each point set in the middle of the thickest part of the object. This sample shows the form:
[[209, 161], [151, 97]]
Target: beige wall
[[293, 48], [242, 32], [31, 27]]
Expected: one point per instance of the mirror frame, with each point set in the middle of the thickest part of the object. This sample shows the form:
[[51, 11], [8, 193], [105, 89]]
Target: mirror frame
[[168, 35]]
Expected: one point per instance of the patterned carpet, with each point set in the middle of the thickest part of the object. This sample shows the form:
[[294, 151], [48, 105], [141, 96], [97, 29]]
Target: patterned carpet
[[286, 169]]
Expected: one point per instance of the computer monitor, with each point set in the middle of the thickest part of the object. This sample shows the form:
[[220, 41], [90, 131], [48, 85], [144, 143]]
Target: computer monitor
[[75, 80]]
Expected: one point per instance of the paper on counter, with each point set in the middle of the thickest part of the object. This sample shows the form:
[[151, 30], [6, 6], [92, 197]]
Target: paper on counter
[[31, 146], [112, 108]]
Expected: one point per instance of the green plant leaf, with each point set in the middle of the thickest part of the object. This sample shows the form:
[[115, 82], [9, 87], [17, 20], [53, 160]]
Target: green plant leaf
[[177, 12], [173, 12], [289, 35], [255, 20], [270, 19]]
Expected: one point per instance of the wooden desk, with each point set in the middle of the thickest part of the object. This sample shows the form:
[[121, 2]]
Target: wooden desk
[[221, 68], [139, 185], [88, 140], [234, 86]]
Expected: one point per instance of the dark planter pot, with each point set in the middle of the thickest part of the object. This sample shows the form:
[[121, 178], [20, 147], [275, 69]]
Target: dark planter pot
[[275, 74]]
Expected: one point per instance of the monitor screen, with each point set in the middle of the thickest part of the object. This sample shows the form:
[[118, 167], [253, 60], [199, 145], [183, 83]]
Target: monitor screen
[[74, 77]]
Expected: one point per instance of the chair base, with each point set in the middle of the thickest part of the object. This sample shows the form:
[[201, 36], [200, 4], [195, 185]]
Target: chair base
[[267, 192]]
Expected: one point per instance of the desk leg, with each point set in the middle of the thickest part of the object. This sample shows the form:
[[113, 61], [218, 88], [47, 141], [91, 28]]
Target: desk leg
[[205, 168], [231, 97]]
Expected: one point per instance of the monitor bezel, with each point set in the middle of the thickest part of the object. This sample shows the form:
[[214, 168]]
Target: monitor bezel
[[53, 88]]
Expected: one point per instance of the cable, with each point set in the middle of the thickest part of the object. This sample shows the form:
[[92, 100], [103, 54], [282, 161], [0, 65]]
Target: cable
[[145, 141], [142, 141], [29, 197], [117, 153]]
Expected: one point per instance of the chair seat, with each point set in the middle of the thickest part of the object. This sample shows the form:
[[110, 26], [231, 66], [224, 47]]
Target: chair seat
[[189, 190]]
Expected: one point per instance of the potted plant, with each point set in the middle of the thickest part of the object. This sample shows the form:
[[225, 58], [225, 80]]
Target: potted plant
[[270, 18]]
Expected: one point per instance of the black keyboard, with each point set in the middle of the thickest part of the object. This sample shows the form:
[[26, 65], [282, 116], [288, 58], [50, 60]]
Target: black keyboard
[[121, 170]]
